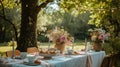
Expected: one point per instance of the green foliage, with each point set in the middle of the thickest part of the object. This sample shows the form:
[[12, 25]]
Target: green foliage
[[100, 10], [108, 48], [73, 15], [74, 24], [115, 43], [70, 5], [9, 3], [112, 46], [12, 13], [42, 38]]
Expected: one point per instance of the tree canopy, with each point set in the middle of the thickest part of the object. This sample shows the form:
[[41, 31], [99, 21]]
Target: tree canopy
[[102, 13]]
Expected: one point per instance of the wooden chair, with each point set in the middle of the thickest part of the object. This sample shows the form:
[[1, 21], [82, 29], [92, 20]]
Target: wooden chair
[[32, 50], [109, 61], [106, 61], [10, 53]]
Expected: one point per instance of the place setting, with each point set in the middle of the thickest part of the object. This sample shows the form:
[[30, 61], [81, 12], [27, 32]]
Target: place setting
[[32, 60]]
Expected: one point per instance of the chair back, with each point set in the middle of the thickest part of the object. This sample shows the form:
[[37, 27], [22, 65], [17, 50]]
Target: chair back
[[106, 61], [10, 53], [32, 50]]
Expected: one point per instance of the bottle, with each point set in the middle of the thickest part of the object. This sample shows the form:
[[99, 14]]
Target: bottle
[[88, 47]]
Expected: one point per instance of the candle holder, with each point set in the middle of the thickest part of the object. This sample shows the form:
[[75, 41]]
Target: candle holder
[[49, 45], [85, 46]]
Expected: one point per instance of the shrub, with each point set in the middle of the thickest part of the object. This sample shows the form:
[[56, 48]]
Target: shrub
[[42, 38]]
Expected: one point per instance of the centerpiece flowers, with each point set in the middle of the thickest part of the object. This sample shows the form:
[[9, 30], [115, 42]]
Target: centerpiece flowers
[[98, 36], [61, 38]]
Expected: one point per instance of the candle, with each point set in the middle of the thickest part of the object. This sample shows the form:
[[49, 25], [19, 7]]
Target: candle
[[49, 45], [85, 45], [12, 47], [72, 41], [73, 46]]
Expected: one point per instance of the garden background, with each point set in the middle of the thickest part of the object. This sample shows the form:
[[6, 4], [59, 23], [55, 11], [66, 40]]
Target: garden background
[[27, 21]]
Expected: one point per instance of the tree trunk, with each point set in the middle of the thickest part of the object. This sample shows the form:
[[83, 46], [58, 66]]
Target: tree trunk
[[28, 32], [2, 35], [28, 35]]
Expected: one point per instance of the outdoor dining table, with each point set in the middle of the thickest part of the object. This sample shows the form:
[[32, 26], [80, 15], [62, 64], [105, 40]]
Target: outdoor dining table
[[95, 59]]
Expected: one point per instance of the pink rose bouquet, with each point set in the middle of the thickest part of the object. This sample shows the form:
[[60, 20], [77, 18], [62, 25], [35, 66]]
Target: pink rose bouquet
[[60, 36], [99, 35]]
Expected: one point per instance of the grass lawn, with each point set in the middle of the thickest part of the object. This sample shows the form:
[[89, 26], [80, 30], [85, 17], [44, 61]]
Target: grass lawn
[[77, 46]]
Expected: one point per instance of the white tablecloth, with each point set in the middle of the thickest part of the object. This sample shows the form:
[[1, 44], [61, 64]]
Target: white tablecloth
[[66, 61], [96, 58]]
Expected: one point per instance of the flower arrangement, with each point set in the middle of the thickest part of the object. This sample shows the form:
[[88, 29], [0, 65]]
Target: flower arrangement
[[99, 35], [60, 36]]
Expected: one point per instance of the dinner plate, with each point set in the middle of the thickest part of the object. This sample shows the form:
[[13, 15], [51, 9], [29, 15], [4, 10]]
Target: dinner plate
[[30, 64], [18, 57], [47, 55], [72, 54]]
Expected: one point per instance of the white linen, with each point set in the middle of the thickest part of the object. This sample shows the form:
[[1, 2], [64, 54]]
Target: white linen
[[46, 64], [94, 58]]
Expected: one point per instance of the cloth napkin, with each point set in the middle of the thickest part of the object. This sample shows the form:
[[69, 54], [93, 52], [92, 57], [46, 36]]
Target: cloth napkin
[[10, 61], [89, 61], [1, 60], [46, 64], [4, 60]]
